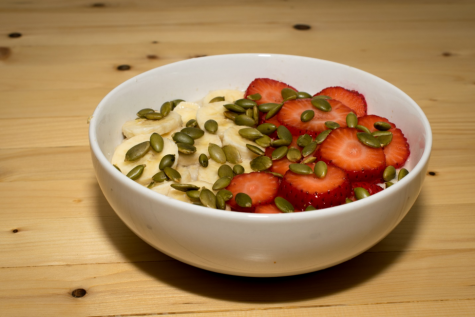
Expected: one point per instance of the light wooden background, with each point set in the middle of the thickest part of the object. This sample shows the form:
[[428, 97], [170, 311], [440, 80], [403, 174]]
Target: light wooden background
[[59, 235]]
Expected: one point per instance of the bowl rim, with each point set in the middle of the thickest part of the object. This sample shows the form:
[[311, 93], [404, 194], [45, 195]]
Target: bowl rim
[[240, 216]]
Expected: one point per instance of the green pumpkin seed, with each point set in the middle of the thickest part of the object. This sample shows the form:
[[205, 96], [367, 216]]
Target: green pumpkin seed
[[280, 142], [143, 112], [232, 154], [361, 193], [276, 174], [389, 184], [381, 133], [151, 185], [351, 120], [304, 140], [136, 172], [266, 128], [176, 102], [231, 115], [322, 136], [117, 167], [166, 108], [192, 123], [250, 133], [284, 134], [172, 174], [166, 161], [243, 200], [347, 200], [279, 153], [220, 203], [211, 126], [194, 133], [226, 194], [332, 125], [207, 198], [186, 148], [137, 151], [266, 107], [294, 155], [250, 113], [245, 103], [198, 203], [389, 173], [382, 126], [238, 169], [303, 95], [321, 104], [308, 160], [402, 173], [180, 137], [245, 120], [310, 207], [384, 140], [288, 94], [254, 97], [160, 177], [156, 142], [255, 114], [216, 153], [307, 115], [203, 160], [363, 128], [255, 149], [322, 97], [221, 183], [261, 163], [272, 112], [193, 195], [153, 116], [234, 108], [368, 140], [225, 171], [265, 141], [283, 205], [321, 169], [300, 169], [184, 187], [309, 149], [217, 99]]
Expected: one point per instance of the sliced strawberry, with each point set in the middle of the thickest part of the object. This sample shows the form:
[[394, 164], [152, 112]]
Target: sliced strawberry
[[280, 166], [273, 120], [261, 187], [350, 98], [369, 121], [398, 150], [370, 187], [362, 163], [269, 89], [268, 209], [290, 114], [304, 190]]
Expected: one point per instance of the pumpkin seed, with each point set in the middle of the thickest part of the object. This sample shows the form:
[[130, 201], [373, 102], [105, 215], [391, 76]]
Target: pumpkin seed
[[300, 169], [238, 169], [307, 115], [226, 194], [321, 169], [151, 185], [255, 149], [117, 167], [245, 120], [255, 114], [216, 153], [245, 103], [402, 173], [308, 160], [250, 133], [186, 148], [384, 140], [220, 203], [156, 142], [153, 116], [217, 99], [322, 136], [304, 140], [276, 174], [288, 94], [194, 133], [265, 141], [309, 149], [389, 173], [203, 160], [225, 171], [207, 198], [180, 137], [254, 97], [284, 134], [234, 108], [194, 195], [294, 155], [232, 154], [261, 163], [137, 151], [382, 126], [321, 104], [266, 128], [211, 126], [279, 153], [143, 112], [184, 187], [351, 120], [389, 184], [136, 172], [176, 102], [280, 142], [272, 112], [166, 108], [192, 123], [243, 200], [322, 97], [303, 95], [368, 140], [363, 128], [172, 174], [221, 183], [310, 207], [332, 125], [347, 200], [160, 177], [250, 113], [231, 115], [361, 193], [284, 205], [198, 203], [266, 107], [381, 133], [166, 161]]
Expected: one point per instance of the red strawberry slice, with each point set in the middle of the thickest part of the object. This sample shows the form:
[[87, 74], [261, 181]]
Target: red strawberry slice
[[268, 209], [290, 114], [369, 121], [273, 120], [362, 163], [261, 187], [269, 89], [370, 187], [304, 190], [350, 98], [280, 166]]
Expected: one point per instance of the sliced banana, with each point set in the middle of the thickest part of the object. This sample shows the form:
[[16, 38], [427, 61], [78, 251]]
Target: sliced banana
[[151, 159], [232, 137], [214, 111], [162, 188], [201, 145], [229, 95], [187, 111], [179, 195], [185, 174], [143, 126], [209, 174]]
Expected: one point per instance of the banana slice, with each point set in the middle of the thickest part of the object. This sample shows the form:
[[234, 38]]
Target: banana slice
[[187, 110], [214, 111], [162, 188], [201, 145], [143, 126], [185, 174], [179, 195], [228, 94], [210, 173], [151, 159], [232, 137]]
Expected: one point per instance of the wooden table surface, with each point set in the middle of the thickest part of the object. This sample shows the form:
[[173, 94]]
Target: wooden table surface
[[63, 250]]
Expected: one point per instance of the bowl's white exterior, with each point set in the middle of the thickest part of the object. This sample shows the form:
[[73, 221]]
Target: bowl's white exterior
[[255, 244]]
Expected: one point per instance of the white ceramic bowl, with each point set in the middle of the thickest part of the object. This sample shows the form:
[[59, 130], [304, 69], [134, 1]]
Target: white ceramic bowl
[[255, 244]]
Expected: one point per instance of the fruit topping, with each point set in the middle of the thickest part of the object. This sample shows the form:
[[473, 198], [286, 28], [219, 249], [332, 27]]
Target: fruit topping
[[350, 98], [269, 89], [370, 187]]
